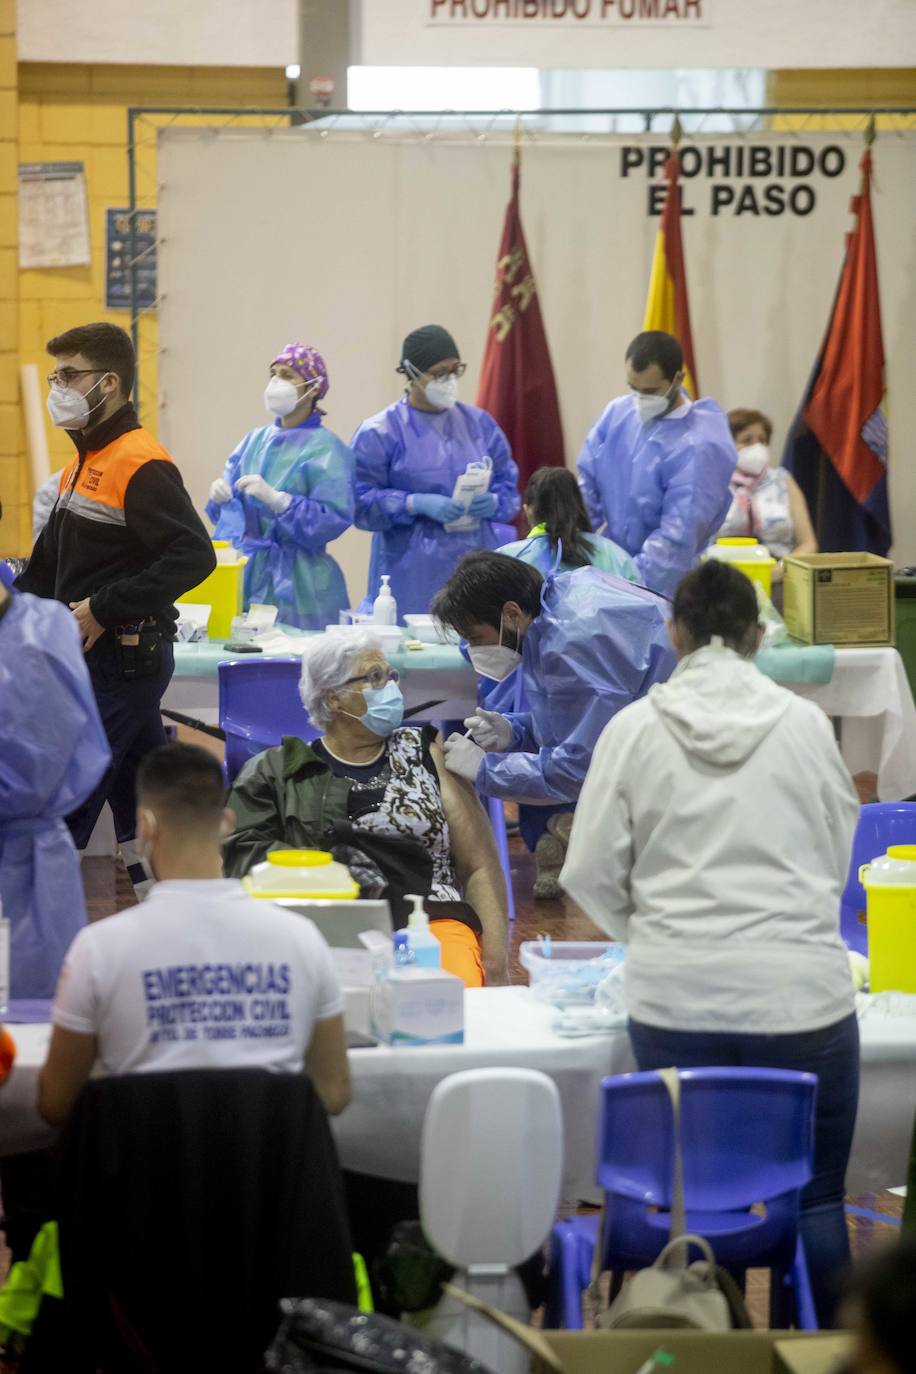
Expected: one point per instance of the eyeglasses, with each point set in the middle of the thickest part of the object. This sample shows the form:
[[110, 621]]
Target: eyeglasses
[[457, 371], [376, 677], [67, 374]]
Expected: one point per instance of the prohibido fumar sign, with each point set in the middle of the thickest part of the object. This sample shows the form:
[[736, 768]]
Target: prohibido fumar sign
[[735, 179]]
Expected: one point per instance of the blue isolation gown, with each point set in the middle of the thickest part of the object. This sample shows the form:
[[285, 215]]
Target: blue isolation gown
[[403, 450], [288, 566], [598, 643], [660, 489], [53, 753]]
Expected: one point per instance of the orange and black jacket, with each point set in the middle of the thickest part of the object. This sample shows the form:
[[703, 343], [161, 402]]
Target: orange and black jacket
[[123, 531]]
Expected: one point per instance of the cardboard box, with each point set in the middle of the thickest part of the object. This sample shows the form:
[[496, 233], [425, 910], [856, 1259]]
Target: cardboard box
[[839, 598], [689, 1352], [696, 1352]]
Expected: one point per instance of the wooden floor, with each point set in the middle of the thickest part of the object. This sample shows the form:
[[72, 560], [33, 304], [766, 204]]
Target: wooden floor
[[876, 1216]]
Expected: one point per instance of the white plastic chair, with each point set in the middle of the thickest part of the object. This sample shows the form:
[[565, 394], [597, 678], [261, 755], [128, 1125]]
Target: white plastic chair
[[491, 1164]]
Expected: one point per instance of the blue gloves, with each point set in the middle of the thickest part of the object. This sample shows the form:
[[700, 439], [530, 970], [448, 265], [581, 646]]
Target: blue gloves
[[483, 505], [440, 508]]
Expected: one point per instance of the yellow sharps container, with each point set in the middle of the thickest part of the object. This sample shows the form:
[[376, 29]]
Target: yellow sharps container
[[748, 556], [222, 591], [890, 888]]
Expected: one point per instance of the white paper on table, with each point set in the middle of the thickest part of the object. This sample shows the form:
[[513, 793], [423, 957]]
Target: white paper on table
[[193, 621], [474, 481], [276, 642], [260, 617]]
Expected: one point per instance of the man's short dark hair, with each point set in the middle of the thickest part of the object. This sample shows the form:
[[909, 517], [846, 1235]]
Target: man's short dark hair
[[481, 585], [184, 784], [106, 346], [655, 346]]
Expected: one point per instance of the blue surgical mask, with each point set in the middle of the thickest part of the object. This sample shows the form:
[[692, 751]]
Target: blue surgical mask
[[384, 709]]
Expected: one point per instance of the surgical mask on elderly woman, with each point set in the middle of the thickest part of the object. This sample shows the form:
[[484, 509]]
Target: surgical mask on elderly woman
[[384, 709], [753, 459]]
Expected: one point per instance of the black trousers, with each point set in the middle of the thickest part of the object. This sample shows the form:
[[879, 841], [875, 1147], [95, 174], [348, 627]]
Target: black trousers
[[133, 725]]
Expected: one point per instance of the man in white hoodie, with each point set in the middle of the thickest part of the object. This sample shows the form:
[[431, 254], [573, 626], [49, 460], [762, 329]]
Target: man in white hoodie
[[713, 835]]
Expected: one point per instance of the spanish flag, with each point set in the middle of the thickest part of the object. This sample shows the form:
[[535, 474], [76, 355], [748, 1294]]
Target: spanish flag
[[666, 303]]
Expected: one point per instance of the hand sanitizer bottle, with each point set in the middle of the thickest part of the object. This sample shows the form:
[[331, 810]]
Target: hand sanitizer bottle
[[384, 607], [426, 950]]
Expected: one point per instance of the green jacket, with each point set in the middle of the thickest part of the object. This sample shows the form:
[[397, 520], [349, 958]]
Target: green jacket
[[285, 798]]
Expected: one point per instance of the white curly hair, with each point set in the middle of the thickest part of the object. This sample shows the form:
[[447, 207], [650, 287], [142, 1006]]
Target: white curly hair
[[328, 661]]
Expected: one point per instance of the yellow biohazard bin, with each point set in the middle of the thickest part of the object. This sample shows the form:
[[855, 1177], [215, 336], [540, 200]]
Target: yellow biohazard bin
[[222, 591], [301, 875], [890, 888], [748, 556]]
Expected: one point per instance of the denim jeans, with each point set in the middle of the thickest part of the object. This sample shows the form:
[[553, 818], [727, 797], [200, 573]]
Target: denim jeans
[[833, 1054]]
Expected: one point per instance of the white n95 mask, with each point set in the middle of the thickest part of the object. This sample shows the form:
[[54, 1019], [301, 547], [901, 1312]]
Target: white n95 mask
[[496, 661], [753, 459], [650, 407], [281, 396], [69, 408], [442, 393]]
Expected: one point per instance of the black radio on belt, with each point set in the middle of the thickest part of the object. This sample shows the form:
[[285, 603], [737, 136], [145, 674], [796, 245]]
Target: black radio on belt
[[139, 650]]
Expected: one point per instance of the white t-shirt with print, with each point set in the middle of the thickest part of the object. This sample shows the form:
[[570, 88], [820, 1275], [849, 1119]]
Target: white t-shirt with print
[[200, 975]]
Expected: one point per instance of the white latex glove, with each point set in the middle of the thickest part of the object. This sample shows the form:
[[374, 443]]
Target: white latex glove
[[463, 756], [254, 485], [490, 730], [220, 491]]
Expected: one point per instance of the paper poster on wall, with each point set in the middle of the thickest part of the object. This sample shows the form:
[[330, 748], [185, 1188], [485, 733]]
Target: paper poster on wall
[[118, 246], [53, 217]]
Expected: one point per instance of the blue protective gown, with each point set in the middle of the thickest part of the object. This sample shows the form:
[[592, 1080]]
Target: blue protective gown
[[605, 555], [403, 450], [287, 563], [598, 643], [53, 752], [661, 489]]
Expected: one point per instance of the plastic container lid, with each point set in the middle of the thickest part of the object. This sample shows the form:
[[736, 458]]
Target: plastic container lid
[[740, 550], [895, 868], [299, 858]]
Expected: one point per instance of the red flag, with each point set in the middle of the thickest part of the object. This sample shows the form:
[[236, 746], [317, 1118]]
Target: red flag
[[666, 301], [844, 409], [517, 385]]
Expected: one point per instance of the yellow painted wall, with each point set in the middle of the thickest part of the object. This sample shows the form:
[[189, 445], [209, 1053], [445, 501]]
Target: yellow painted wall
[[79, 113], [11, 443], [874, 88]]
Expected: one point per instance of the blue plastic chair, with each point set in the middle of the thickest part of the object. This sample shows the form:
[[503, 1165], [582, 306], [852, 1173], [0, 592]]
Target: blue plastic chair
[[880, 824], [259, 704], [747, 1137]]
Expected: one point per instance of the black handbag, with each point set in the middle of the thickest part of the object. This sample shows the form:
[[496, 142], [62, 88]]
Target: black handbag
[[320, 1337]]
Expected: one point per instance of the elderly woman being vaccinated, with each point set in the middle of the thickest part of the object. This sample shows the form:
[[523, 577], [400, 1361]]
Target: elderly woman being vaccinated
[[285, 493], [376, 793]]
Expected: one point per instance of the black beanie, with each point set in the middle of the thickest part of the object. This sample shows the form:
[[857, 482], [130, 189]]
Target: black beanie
[[426, 346]]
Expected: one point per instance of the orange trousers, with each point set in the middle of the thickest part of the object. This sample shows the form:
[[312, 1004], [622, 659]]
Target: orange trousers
[[8, 1050], [460, 951]]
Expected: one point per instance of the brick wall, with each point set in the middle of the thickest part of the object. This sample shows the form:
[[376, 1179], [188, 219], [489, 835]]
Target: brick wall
[[13, 486]]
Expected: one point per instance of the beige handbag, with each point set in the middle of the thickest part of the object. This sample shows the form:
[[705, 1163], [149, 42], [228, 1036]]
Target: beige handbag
[[672, 1292]]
